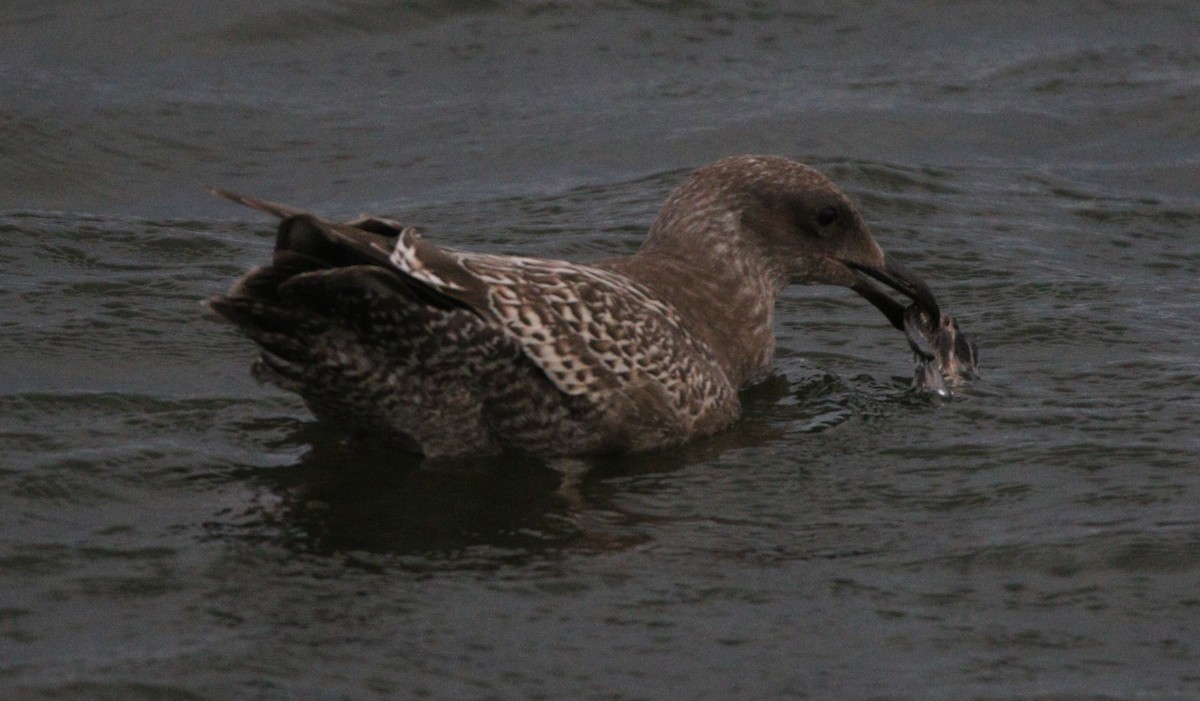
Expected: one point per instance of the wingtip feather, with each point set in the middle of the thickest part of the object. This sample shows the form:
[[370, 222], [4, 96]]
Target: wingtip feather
[[274, 208]]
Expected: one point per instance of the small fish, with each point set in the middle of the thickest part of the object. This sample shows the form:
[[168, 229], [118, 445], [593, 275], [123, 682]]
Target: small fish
[[944, 356]]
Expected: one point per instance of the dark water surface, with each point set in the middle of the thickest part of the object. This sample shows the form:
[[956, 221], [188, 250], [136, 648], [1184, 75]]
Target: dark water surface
[[171, 530]]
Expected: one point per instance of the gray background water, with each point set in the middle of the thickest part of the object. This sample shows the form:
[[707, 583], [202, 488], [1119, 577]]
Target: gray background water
[[170, 530]]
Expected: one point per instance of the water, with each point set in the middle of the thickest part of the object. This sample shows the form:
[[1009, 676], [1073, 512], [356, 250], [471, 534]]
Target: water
[[171, 530]]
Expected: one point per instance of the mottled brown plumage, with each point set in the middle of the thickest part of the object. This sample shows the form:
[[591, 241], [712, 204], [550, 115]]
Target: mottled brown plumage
[[451, 352]]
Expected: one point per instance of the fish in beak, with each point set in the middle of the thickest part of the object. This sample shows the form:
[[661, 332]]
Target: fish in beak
[[943, 354]]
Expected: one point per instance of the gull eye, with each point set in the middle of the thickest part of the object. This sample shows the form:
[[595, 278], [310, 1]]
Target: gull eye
[[826, 215]]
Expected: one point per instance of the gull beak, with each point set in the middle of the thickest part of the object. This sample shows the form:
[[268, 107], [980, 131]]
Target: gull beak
[[900, 279]]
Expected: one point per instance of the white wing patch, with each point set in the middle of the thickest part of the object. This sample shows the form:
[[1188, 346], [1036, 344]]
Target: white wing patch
[[405, 256]]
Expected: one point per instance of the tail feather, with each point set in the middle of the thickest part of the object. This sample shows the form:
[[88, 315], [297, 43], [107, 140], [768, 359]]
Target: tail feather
[[281, 331], [279, 371]]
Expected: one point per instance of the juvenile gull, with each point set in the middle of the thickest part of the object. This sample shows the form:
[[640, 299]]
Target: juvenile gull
[[451, 352]]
